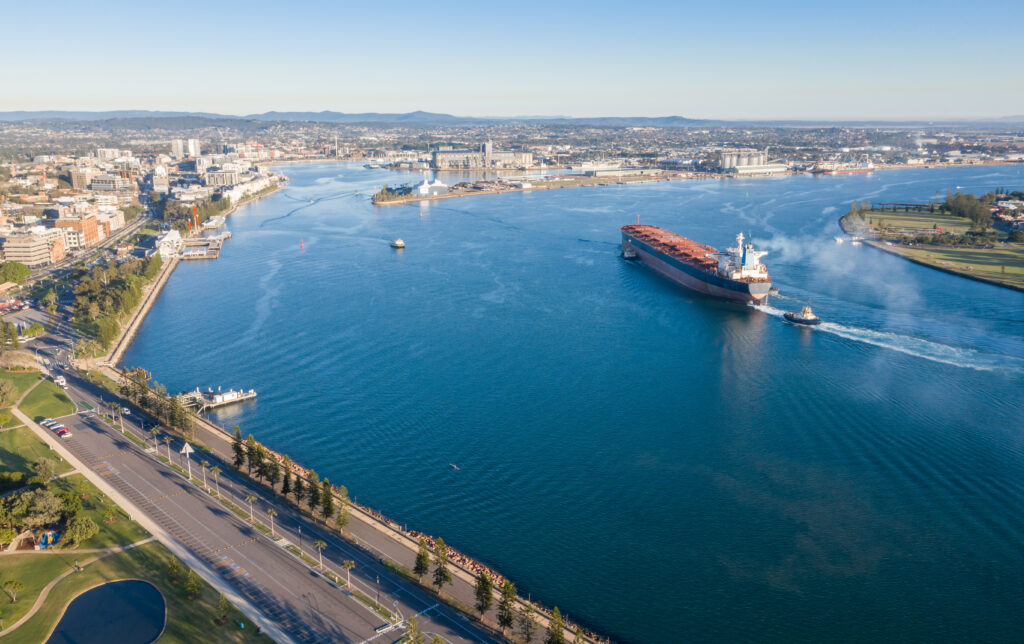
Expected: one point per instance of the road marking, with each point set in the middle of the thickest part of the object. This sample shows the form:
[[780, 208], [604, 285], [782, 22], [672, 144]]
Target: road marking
[[98, 459], [165, 496], [237, 545]]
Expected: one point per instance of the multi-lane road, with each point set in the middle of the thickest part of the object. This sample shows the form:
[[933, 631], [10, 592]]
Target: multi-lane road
[[298, 601]]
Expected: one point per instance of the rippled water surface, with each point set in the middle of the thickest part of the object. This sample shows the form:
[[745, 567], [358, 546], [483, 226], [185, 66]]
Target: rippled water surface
[[663, 466]]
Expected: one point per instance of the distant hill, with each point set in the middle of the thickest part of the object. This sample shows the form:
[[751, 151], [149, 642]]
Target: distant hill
[[170, 120], [417, 118]]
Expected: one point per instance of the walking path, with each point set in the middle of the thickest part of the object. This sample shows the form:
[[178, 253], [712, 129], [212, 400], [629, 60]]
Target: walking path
[[172, 544], [129, 331], [48, 587]]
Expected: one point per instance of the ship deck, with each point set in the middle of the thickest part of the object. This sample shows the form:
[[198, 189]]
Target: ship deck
[[677, 246]]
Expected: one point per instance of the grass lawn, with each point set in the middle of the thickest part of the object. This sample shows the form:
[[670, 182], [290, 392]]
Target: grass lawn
[[1002, 264], [120, 532], [47, 401], [187, 620], [22, 380], [917, 220], [35, 571], [20, 447], [97, 378]]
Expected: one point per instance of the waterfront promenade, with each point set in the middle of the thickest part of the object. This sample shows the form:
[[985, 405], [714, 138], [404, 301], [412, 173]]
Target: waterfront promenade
[[288, 598], [373, 536]]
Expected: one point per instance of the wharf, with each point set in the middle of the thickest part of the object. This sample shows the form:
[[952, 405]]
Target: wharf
[[204, 247], [210, 399]]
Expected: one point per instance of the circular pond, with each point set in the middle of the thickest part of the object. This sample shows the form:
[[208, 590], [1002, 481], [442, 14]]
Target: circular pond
[[127, 612]]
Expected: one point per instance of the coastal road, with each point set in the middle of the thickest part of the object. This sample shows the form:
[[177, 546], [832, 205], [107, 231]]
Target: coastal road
[[305, 604]]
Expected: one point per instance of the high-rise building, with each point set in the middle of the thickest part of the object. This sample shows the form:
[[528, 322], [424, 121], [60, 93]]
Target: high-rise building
[[193, 148], [81, 177], [178, 149]]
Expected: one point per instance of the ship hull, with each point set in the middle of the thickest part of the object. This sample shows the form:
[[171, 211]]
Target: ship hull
[[693, 278]]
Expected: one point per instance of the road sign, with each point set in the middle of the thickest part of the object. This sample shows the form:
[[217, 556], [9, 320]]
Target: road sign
[[186, 449]]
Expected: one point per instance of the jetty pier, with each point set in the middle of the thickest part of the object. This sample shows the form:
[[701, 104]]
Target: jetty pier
[[210, 399]]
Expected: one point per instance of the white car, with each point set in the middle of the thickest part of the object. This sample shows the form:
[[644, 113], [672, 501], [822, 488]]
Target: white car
[[49, 422]]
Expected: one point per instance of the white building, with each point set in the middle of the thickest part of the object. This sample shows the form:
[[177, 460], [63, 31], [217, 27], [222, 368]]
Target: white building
[[430, 188], [169, 244], [193, 148]]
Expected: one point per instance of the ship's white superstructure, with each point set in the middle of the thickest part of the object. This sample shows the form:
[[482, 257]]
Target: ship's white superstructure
[[742, 262]]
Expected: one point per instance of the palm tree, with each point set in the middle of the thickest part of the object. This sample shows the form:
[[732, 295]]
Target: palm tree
[[216, 477], [155, 431], [250, 498], [205, 464], [271, 512], [320, 545], [348, 565], [167, 442]]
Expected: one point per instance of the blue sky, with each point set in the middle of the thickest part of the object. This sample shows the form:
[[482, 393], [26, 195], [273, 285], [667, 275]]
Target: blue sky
[[738, 59]]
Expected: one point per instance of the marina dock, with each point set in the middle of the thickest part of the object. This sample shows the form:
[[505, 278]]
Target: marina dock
[[210, 399], [204, 247]]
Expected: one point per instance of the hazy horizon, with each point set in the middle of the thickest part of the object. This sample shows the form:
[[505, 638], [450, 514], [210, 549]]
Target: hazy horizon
[[869, 61]]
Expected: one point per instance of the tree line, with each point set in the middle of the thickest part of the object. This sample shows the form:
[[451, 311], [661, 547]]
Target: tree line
[[970, 207], [138, 386], [330, 504], [109, 292]]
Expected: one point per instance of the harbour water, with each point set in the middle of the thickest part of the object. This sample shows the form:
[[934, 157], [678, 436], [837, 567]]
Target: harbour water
[[663, 466]]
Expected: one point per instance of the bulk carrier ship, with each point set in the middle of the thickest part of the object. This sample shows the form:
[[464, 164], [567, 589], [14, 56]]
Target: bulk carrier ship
[[737, 274]]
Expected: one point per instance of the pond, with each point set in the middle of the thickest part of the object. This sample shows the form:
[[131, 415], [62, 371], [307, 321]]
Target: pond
[[127, 612]]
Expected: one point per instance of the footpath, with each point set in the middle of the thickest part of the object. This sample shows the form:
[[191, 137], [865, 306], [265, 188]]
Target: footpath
[[45, 592], [179, 550]]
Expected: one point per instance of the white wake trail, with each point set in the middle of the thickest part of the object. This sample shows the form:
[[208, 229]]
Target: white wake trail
[[934, 351]]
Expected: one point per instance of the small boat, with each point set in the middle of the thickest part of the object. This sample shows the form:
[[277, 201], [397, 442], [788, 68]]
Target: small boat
[[398, 243], [805, 317], [773, 290], [454, 466], [839, 240]]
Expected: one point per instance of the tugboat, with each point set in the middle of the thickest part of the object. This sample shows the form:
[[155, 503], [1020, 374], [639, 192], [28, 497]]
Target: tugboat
[[398, 243], [805, 317]]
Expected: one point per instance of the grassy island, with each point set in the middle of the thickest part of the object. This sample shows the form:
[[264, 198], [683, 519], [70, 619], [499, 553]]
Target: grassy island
[[956, 235]]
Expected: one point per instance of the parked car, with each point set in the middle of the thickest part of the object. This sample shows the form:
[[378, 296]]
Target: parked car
[[49, 422]]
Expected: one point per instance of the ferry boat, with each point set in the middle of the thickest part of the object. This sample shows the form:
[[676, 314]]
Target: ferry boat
[[398, 243]]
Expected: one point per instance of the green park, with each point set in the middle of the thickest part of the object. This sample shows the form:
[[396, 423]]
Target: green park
[[957, 236]]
